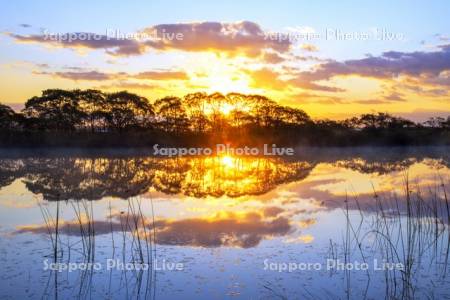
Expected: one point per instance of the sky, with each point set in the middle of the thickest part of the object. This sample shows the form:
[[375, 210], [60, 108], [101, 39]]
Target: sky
[[332, 59]]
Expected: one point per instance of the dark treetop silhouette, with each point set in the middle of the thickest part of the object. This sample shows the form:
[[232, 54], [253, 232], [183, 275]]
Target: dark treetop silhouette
[[93, 118]]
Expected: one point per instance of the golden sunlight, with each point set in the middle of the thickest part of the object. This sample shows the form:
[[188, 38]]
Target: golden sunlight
[[219, 74], [226, 108], [227, 161]]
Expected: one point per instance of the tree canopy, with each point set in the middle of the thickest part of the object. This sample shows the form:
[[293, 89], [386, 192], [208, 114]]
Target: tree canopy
[[232, 114]]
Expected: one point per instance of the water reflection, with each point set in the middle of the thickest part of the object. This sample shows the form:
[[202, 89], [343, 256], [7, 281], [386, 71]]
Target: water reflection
[[93, 178], [229, 229], [368, 182], [210, 212]]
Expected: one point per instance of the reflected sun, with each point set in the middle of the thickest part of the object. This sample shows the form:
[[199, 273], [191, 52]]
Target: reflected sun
[[227, 161], [226, 108]]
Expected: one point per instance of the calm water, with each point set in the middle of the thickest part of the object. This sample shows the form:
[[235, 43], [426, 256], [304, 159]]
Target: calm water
[[230, 227]]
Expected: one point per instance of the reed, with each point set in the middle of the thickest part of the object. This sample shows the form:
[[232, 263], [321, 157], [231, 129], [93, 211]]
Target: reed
[[413, 231]]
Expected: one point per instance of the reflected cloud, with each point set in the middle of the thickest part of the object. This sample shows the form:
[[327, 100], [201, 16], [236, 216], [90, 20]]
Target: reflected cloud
[[229, 229], [232, 230], [306, 223], [303, 239]]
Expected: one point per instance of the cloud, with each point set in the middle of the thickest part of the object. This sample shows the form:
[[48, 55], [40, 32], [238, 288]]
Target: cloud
[[266, 78], [85, 40], [88, 76], [442, 37], [415, 68], [239, 38], [305, 97], [371, 101], [309, 85], [308, 58], [102, 76], [243, 37], [420, 115], [389, 65], [395, 96], [272, 58], [272, 211], [17, 107], [389, 98], [428, 92], [158, 75], [309, 47], [129, 86]]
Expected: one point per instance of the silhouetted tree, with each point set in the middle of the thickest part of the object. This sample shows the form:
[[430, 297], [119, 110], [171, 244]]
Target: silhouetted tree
[[93, 104], [438, 122], [292, 116], [262, 110], [214, 115], [9, 119], [216, 102], [124, 110], [172, 115], [378, 121], [195, 104], [56, 110]]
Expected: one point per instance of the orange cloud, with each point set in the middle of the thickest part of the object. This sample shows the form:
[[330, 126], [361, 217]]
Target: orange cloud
[[266, 78], [309, 47]]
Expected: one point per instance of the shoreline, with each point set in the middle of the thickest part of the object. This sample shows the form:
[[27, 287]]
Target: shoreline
[[299, 151]]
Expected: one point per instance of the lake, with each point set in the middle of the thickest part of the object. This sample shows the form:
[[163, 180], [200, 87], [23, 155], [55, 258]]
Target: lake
[[327, 223]]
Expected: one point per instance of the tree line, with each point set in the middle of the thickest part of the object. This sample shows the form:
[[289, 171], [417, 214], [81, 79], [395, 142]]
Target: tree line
[[93, 111]]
